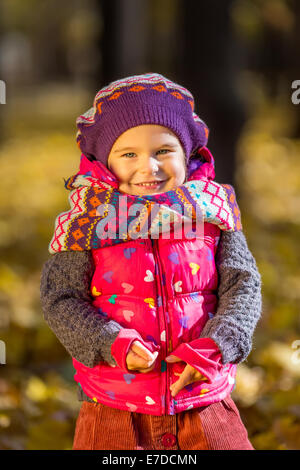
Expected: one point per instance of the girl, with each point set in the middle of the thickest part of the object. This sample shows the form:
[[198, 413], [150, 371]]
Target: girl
[[155, 323]]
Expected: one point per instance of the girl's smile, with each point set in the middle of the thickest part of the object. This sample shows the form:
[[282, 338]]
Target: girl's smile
[[147, 159]]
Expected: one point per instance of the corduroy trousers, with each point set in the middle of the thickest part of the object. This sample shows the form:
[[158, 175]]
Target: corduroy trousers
[[214, 427]]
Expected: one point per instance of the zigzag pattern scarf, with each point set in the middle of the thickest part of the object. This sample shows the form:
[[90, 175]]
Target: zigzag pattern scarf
[[100, 215]]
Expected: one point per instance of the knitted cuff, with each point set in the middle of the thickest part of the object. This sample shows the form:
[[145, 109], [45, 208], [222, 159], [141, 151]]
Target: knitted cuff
[[202, 354], [234, 344], [122, 343]]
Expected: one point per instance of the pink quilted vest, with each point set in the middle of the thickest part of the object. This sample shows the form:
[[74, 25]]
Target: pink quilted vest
[[162, 292]]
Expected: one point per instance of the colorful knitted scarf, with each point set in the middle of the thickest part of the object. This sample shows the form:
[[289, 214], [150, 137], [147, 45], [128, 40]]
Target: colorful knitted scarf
[[100, 215]]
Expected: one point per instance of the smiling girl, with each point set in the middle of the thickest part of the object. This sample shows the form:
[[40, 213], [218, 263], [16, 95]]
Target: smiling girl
[[156, 326]]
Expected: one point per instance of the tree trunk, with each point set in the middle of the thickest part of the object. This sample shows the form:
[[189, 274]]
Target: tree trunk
[[208, 63], [124, 38]]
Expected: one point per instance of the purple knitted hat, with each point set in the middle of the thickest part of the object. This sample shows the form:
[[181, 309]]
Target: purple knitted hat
[[134, 101]]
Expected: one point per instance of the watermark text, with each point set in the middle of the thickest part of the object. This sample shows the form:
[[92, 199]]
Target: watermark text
[[158, 221], [2, 352], [2, 92], [296, 94]]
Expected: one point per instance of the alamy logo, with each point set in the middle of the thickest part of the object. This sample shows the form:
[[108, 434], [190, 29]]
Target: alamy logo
[[163, 221], [2, 352], [296, 94], [2, 92]]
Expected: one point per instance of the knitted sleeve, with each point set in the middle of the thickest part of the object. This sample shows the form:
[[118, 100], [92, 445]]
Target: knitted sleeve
[[240, 299], [69, 312]]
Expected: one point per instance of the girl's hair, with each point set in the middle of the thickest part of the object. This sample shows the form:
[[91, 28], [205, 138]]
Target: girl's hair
[[197, 156], [195, 161]]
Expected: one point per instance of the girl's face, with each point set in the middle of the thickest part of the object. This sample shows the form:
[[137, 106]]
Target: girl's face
[[147, 154]]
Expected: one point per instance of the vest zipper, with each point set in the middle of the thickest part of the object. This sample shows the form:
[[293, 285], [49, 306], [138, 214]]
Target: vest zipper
[[161, 294]]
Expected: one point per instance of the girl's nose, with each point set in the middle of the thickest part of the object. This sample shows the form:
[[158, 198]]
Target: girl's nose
[[149, 165]]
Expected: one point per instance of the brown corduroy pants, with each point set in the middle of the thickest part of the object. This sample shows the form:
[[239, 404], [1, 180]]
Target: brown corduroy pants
[[214, 427]]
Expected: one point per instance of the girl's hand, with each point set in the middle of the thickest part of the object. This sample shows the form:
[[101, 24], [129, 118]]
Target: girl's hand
[[140, 358], [187, 376]]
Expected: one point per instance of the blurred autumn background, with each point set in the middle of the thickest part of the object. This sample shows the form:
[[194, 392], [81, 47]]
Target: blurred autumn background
[[239, 59]]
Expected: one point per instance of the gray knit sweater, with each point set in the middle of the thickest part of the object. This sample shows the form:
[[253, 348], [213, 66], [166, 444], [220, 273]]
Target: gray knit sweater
[[68, 309]]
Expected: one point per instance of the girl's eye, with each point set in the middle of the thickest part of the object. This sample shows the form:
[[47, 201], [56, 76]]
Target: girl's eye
[[131, 154], [127, 154]]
